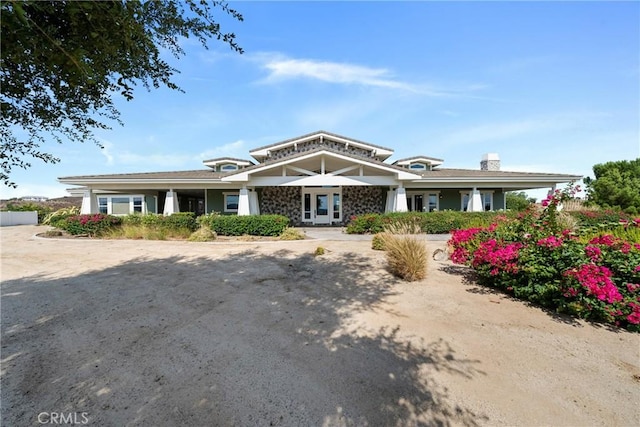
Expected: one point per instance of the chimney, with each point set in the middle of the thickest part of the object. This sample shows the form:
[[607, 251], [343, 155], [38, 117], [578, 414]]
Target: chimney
[[490, 162]]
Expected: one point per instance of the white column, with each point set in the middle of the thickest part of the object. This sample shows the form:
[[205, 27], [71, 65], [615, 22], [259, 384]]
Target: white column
[[171, 203], [475, 201], [401, 200], [390, 199], [254, 206], [89, 203], [243, 202]]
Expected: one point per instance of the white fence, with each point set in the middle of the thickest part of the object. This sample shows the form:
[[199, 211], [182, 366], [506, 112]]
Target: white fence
[[18, 218]]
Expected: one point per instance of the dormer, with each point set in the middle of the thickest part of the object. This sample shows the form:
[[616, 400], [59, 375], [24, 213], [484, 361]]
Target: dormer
[[419, 163], [227, 164]]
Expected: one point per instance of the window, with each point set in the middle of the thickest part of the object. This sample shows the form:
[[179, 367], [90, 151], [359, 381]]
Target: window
[[487, 201], [137, 204], [417, 166], [307, 206], [102, 205], [336, 206], [464, 202], [228, 167], [120, 206], [433, 201], [422, 202], [231, 201]]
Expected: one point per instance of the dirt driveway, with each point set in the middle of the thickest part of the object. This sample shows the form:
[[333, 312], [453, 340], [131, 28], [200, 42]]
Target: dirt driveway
[[143, 333]]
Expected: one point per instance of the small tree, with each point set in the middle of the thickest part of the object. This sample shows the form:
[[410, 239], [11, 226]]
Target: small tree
[[616, 184], [63, 62], [518, 201]]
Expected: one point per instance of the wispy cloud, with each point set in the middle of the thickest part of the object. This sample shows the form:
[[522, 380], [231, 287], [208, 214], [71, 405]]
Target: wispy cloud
[[169, 160], [500, 131], [282, 68], [232, 149]]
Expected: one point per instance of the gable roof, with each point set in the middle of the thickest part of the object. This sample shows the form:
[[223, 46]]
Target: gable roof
[[382, 152], [431, 160]]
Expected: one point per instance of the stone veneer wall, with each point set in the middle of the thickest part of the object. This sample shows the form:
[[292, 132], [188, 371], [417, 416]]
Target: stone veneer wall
[[362, 200], [285, 201], [310, 145]]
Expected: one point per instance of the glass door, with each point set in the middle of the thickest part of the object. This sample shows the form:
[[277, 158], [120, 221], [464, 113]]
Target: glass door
[[322, 209]]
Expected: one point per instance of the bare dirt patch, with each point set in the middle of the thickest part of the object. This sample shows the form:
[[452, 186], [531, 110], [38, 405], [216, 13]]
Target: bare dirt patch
[[266, 333]]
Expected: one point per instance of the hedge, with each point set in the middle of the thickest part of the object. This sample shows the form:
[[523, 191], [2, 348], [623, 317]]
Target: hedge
[[441, 222], [176, 221], [254, 225]]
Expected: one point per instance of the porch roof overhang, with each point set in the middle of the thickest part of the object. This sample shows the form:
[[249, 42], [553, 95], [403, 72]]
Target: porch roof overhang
[[198, 179], [465, 178]]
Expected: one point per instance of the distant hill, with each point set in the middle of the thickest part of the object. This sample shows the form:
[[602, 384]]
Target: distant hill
[[53, 204]]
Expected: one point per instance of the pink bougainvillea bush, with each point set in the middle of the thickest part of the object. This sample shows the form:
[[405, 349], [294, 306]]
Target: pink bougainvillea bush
[[90, 224], [529, 257]]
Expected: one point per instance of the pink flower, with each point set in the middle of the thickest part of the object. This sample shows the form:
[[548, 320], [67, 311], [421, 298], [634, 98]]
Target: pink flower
[[460, 255], [607, 240], [597, 281], [545, 203], [593, 252], [632, 287], [634, 317], [550, 242]]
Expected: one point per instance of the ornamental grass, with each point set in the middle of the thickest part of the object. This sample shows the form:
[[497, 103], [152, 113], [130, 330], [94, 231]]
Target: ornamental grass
[[406, 256]]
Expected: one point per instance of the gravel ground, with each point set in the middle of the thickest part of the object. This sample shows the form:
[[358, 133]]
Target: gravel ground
[[141, 333]]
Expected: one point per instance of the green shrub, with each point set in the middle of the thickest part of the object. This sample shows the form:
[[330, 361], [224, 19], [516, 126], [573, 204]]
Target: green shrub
[[254, 225], [290, 233], [90, 224], [178, 220], [175, 222], [406, 256], [441, 222], [319, 251]]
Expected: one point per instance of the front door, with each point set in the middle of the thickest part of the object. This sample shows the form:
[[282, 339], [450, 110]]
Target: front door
[[322, 209], [321, 206]]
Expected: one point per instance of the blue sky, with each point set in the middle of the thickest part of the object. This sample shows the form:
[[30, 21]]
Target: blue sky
[[549, 86]]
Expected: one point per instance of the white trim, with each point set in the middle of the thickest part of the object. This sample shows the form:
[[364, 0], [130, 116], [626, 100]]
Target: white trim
[[313, 193], [243, 175], [110, 198]]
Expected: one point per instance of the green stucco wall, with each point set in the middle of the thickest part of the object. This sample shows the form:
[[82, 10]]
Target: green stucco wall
[[215, 201]]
